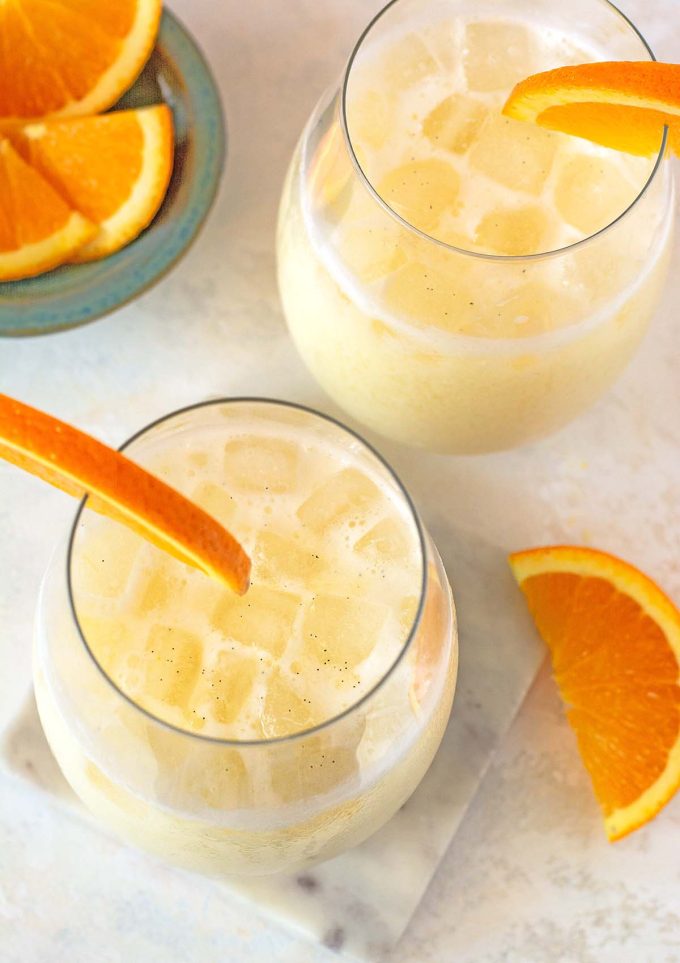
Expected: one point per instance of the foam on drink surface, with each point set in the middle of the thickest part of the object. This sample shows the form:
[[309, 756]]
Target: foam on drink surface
[[424, 117], [335, 584]]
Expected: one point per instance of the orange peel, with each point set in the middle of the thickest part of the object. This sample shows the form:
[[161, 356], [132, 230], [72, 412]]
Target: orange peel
[[80, 465], [624, 105]]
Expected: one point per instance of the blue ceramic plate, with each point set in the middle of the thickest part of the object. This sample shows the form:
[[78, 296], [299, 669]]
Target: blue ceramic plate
[[75, 294]]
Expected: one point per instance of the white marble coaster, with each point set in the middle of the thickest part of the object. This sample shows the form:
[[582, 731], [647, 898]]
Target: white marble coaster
[[361, 902]]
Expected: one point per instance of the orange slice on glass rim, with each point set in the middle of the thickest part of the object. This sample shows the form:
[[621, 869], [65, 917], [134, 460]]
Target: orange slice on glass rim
[[72, 57], [614, 640], [619, 104], [80, 465], [113, 169]]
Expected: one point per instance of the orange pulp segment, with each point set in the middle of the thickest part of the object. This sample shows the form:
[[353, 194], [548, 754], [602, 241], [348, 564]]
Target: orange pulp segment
[[72, 56], [619, 104], [113, 169], [614, 640], [80, 465], [38, 229]]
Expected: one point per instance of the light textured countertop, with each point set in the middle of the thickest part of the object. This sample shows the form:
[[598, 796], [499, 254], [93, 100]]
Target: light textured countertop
[[529, 877]]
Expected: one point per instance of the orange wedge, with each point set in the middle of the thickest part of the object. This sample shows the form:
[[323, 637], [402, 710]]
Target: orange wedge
[[38, 229], [113, 169], [72, 56], [621, 104], [614, 639], [81, 465]]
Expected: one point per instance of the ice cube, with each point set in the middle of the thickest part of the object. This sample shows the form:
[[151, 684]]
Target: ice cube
[[260, 463], [172, 661], [515, 154], [421, 191], [312, 767], [279, 559], [286, 709], [454, 123], [264, 617], [443, 40], [369, 115], [369, 242], [213, 775], [514, 230], [601, 273], [406, 62], [591, 192], [497, 55], [341, 631], [105, 554], [216, 501], [159, 583], [385, 542], [422, 293], [345, 497], [371, 250], [224, 687], [451, 231]]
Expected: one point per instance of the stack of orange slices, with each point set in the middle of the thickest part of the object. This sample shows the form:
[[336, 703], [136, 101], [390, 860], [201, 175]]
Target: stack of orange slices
[[74, 185]]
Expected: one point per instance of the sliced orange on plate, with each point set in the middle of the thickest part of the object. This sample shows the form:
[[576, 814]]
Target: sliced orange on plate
[[80, 188], [72, 57], [38, 229], [113, 169], [81, 465], [620, 104], [614, 640]]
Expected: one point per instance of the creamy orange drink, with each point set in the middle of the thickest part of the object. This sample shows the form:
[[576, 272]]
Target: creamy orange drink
[[457, 279], [261, 732]]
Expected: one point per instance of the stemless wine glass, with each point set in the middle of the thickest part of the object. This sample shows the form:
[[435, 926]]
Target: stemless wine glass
[[484, 338], [238, 806]]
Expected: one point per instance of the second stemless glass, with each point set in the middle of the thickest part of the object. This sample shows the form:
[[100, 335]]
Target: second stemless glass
[[411, 380], [248, 807]]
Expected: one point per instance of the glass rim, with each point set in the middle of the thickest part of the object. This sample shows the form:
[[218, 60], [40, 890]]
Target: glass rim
[[502, 258], [405, 645]]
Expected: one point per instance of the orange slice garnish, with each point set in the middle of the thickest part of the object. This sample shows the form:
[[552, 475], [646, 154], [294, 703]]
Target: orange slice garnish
[[113, 169], [72, 56], [620, 104], [38, 229], [80, 465], [614, 640]]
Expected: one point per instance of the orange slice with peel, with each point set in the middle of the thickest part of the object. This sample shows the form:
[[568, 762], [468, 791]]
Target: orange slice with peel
[[72, 57], [80, 465], [38, 229], [619, 104], [614, 640], [113, 169]]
